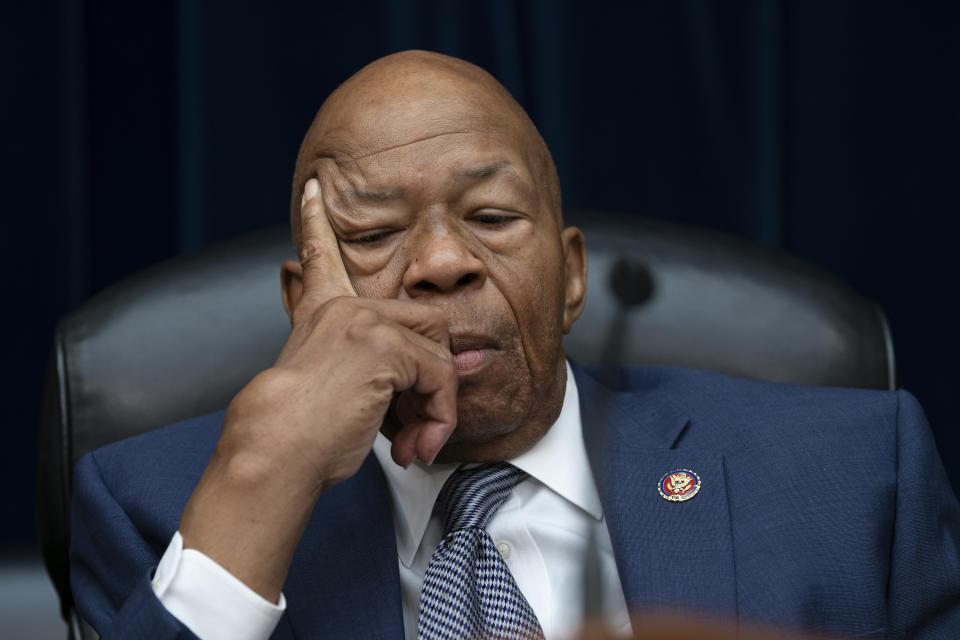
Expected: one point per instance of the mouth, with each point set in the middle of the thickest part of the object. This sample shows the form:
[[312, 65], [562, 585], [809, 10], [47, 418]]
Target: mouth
[[471, 353]]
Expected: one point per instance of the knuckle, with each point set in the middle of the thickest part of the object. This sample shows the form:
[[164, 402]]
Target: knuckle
[[357, 332], [364, 326], [381, 338], [350, 314], [310, 252], [366, 316], [265, 390], [335, 305], [340, 307], [383, 381]]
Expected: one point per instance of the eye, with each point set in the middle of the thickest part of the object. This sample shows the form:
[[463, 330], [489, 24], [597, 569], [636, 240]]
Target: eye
[[495, 220], [370, 238]]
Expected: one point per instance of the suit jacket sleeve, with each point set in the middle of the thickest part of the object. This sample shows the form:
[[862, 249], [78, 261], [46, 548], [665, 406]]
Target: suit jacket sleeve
[[111, 564], [924, 587]]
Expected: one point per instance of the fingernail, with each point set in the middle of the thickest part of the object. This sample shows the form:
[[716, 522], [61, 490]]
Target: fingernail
[[310, 189]]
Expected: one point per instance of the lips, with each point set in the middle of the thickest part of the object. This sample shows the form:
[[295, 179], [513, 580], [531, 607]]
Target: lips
[[471, 353]]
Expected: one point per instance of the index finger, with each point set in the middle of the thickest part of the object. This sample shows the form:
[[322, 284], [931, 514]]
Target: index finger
[[324, 274]]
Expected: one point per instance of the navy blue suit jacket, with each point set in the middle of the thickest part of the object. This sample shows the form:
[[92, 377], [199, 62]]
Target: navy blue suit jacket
[[820, 509]]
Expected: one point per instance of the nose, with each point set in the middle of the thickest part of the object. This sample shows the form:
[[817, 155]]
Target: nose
[[441, 262]]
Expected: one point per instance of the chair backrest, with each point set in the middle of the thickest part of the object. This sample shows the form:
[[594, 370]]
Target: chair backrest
[[181, 338], [663, 293]]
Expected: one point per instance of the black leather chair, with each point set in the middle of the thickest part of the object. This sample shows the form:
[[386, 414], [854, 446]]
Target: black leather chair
[[181, 338]]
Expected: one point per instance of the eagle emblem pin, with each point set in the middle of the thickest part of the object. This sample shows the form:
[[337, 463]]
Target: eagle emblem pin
[[679, 485]]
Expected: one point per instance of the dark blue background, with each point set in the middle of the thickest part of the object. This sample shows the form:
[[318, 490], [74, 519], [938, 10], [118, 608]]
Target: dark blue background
[[137, 131]]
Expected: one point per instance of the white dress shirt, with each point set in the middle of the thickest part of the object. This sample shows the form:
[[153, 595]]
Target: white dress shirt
[[542, 531]]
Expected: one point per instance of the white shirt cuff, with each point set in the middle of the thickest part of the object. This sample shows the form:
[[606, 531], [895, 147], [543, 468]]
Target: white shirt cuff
[[209, 600]]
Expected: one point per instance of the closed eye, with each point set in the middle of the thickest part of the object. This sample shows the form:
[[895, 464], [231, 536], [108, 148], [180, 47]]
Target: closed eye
[[492, 219], [369, 238]]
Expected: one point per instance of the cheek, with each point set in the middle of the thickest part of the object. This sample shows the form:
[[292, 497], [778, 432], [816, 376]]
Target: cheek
[[515, 243], [534, 287], [384, 282], [366, 262]]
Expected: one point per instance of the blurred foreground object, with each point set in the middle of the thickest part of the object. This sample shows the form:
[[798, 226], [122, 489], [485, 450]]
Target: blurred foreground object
[[690, 626]]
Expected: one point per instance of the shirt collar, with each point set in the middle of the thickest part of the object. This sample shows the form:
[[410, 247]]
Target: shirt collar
[[414, 490]]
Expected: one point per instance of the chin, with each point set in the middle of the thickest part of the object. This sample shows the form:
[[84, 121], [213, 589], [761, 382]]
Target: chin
[[500, 415], [484, 436], [469, 432], [486, 411], [495, 449]]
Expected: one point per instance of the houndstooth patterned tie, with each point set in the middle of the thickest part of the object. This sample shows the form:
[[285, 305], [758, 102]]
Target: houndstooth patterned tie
[[468, 591]]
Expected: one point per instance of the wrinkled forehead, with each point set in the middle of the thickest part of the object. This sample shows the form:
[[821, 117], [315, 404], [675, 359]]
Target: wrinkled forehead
[[362, 128], [421, 142], [388, 106]]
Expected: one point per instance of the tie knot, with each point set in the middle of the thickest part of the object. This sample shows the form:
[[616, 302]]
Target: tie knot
[[470, 496]]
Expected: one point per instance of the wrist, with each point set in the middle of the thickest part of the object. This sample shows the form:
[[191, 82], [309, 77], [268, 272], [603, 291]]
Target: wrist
[[265, 481], [263, 453], [247, 515]]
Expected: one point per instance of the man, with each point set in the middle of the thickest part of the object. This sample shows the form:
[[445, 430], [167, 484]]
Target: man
[[434, 285]]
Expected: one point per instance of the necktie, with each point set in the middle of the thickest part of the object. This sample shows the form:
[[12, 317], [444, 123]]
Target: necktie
[[468, 591]]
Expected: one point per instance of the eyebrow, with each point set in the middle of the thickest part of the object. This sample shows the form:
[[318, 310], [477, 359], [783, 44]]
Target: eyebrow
[[376, 197], [380, 196], [502, 167]]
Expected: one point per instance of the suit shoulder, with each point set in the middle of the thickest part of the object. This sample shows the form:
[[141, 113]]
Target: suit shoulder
[[734, 402], [169, 456], [695, 382]]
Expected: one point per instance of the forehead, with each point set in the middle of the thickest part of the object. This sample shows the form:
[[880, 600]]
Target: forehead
[[427, 136], [380, 125], [448, 159], [438, 169], [388, 107]]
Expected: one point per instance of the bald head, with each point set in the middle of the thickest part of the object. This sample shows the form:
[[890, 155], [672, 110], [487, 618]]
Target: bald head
[[414, 96]]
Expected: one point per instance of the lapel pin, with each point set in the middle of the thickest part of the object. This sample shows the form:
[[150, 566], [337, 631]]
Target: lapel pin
[[679, 485]]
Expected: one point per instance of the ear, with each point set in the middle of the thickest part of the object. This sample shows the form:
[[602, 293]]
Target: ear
[[291, 284], [575, 257]]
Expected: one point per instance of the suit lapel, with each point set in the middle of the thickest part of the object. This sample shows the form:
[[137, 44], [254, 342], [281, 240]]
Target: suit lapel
[[676, 554], [344, 581]]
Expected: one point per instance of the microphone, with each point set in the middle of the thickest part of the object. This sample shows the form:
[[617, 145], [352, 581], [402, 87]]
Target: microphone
[[632, 284]]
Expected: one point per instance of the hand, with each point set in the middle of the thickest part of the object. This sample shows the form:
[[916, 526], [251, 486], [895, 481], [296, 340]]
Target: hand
[[309, 421], [346, 359]]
